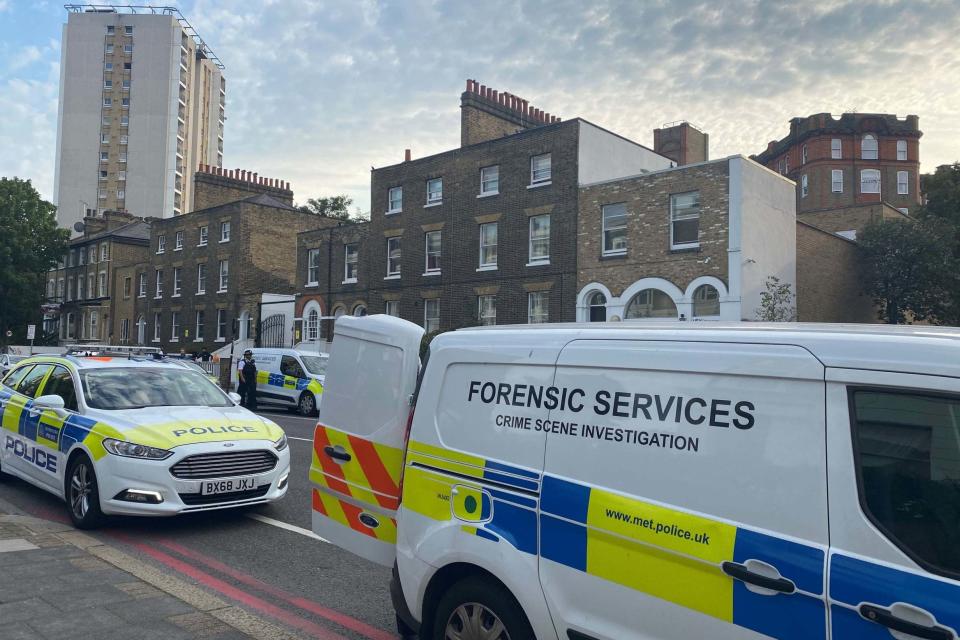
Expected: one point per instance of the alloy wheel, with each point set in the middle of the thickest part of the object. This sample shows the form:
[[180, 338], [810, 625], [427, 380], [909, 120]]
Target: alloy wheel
[[81, 486], [473, 621]]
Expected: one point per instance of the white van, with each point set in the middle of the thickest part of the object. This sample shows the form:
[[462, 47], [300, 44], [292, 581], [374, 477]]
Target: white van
[[289, 378], [628, 481]]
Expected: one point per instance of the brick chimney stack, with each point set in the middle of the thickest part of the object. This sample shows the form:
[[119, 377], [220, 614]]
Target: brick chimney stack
[[487, 114], [214, 186]]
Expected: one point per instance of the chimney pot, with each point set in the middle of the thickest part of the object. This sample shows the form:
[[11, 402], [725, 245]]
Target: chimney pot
[[286, 186], [406, 155], [495, 95], [483, 90], [468, 84]]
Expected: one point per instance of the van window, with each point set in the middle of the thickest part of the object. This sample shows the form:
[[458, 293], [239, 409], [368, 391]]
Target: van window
[[290, 367], [316, 365], [30, 383], [908, 461]]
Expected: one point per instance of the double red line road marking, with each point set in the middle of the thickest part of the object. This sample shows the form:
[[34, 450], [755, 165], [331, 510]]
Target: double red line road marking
[[237, 594]]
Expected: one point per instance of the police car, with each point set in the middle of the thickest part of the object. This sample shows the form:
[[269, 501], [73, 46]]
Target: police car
[[634, 481], [135, 436]]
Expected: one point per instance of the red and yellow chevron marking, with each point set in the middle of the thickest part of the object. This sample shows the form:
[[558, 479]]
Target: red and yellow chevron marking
[[372, 475], [348, 515]]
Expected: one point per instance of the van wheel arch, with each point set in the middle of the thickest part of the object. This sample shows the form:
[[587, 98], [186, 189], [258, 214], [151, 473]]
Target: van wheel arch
[[443, 580], [301, 405]]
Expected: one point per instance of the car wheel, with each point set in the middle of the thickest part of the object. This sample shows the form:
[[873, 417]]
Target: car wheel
[[83, 494], [478, 609], [307, 404]]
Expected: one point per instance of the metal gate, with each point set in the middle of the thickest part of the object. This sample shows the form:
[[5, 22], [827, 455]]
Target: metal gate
[[271, 332]]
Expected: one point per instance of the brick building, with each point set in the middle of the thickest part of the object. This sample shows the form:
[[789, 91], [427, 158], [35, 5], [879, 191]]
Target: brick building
[[692, 242], [856, 160], [90, 285], [208, 269], [480, 234]]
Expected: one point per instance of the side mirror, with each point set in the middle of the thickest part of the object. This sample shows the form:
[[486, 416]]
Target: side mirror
[[52, 402], [235, 397]]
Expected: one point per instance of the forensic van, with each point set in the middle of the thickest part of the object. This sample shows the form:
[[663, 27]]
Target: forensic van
[[290, 378], [135, 436], [646, 481]]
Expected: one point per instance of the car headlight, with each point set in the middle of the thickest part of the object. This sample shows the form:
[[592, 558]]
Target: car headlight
[[133, 450], [280, 444]]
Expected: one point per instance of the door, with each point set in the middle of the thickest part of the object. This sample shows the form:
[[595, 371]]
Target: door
[[21, 422], [359, 441], [895, 511], [684, 492], [50, 426]]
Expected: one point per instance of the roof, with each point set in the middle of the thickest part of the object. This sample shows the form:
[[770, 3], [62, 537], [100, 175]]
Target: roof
[[136, 230], [266, 200], [104, 362], [915, 349]]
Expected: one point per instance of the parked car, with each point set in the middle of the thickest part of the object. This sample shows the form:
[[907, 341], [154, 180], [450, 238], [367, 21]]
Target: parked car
[[7, 361]]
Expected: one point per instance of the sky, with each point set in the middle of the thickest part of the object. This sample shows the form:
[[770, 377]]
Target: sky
[[318, 91]]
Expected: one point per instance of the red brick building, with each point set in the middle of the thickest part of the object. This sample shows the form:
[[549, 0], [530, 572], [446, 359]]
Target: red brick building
[[856, 159]]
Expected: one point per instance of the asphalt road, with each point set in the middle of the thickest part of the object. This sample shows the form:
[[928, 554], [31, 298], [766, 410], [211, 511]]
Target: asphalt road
[[283, 575]]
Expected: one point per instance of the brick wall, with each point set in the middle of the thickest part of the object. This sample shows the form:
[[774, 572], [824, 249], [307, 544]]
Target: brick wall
[[487, 114], [828, 278], [647, 201], [212, 190], [852, 218]]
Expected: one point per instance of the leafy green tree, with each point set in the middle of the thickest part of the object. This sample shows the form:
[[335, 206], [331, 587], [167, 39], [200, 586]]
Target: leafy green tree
[[333, 207], [941, 192], [30, 244], [909, 270], [776, 302]]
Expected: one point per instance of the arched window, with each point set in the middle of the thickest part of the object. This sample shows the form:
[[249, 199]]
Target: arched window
[[651, 303], [339, 311], [360, 310], [313, 325], [868, 147], [598, 307], [706, 301]]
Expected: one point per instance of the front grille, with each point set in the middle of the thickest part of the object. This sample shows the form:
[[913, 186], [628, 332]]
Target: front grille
[[224, 465], [193, 499]]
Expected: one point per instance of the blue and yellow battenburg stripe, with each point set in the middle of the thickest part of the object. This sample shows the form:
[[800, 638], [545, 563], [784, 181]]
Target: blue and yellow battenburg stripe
[[289, 382]]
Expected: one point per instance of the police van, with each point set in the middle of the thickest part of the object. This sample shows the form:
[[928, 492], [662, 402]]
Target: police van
[[135, 436], [290, 378], [627, 481]]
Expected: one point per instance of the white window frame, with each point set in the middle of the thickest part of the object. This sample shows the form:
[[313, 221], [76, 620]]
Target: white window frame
[[427, 271], [312, 325], [604, 228], [351, 248], [156, 326], [204, 236], [104, 138], [177, 282], [94, 331], [804, 186], [178, 241], [392, 308], [434, 197], [674, 219], [142, 285], [224, 276], [174, 326], [541, 176], [541, 259], [313, 267], [221, 325], [161, 243], [487, 319], [198, 328], [903, 183], [804, 155], [901, 149], [489, 185], [107, 102], [91, 292], [874, 152], [104, 252], [836, 180], [158, 293], [201, 278], [390, 200], [540, 318], [429, 319], [399, 247], [124, 330], [489, 266], [224, 231], [102, 284], [863, 173]]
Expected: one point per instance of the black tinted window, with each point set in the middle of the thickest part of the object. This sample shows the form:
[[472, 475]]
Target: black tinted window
[[290, 367], [30, 383], [908, 456], [15, 376], [61, 384]]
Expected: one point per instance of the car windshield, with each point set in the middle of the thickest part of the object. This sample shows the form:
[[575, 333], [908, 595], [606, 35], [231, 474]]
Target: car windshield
[[194, 366], [127, 388], [316, 365]]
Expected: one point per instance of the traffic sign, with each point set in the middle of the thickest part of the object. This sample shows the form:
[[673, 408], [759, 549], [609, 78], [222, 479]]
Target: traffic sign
[[31, 331]]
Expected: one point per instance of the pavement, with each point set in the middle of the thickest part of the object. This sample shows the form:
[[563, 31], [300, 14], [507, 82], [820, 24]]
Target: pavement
[[253, 572]]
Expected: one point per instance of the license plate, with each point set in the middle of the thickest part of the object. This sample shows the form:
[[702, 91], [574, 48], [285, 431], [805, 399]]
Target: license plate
[[229, 485]]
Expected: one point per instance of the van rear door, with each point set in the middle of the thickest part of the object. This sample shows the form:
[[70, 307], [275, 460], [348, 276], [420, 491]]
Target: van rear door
[[358, 444]]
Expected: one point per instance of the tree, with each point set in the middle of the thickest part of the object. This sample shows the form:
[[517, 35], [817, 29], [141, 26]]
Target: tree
[[908, 270], [941, 192], [776, 302], [30, 245], [333, 207]]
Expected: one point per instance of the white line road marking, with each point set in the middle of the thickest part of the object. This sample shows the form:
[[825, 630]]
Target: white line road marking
[[284, 525], [16, 544], [302, 439]]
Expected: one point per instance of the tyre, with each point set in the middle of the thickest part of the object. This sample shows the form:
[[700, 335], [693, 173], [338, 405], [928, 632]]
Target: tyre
[[478, 609], [307, 404], [83, 494]]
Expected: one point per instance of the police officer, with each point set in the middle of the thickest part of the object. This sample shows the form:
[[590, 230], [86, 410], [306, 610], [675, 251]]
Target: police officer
[[247, 376]]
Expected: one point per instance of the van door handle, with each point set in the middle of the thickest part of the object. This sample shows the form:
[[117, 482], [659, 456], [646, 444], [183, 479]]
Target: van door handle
[[337, 453], [740, 572], [888, 619]]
